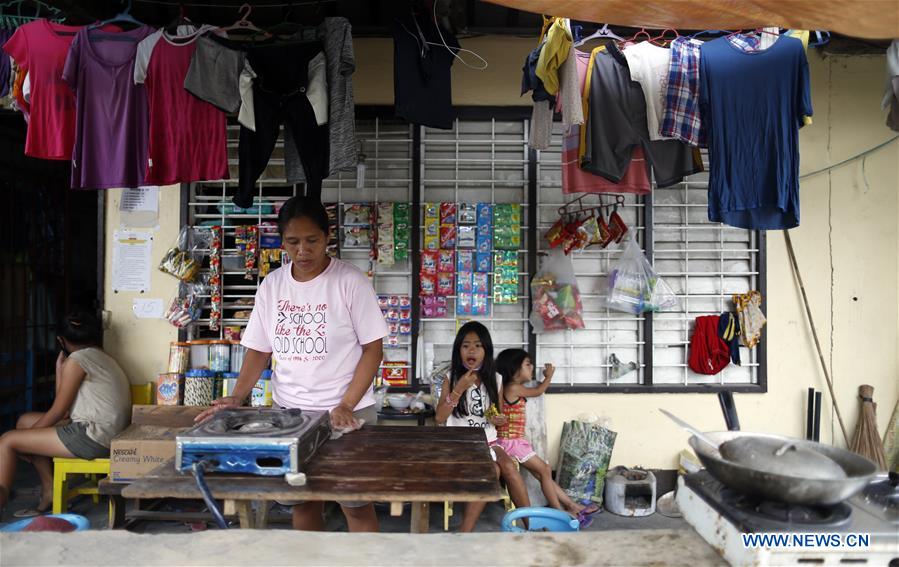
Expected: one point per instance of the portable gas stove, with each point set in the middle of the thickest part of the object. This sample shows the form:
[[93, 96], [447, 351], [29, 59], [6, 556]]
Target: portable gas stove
[[268, 442], [721, 515]]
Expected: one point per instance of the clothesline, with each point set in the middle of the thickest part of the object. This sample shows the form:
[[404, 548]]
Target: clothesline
[[235, 5]]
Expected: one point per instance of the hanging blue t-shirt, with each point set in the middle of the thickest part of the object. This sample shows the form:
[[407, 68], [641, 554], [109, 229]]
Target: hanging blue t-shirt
[[752, 103]]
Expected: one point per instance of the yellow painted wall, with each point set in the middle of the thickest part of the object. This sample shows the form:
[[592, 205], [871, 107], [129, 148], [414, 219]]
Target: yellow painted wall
[[847, 247], [141, 346]]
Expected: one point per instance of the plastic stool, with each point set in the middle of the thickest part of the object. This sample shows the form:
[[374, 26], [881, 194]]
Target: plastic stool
[[448, 508], [540, 520], [63, 467]]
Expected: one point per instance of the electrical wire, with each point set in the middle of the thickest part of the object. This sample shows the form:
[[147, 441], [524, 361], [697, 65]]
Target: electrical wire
[[198, 469], [849, 159]]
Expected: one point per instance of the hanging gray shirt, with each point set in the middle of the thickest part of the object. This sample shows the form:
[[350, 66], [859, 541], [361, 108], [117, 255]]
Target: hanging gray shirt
[[337, 39]]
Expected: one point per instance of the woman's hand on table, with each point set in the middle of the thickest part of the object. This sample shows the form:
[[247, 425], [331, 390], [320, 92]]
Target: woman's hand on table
[[217, 405], [342, 418]]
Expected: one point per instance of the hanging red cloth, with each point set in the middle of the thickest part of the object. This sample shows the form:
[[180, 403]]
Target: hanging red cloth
[[708, 353]]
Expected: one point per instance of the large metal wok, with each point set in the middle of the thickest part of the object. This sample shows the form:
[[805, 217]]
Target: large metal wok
[[782, 487]]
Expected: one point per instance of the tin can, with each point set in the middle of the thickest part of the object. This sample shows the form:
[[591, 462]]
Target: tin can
[[262, 391], [229, 381], [169, 389], [238, 351], [198, 387], [220, 356], [179, 357], [199, 353]]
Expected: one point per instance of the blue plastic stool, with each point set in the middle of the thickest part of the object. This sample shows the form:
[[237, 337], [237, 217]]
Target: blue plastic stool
[[540, 520], [80, 522]]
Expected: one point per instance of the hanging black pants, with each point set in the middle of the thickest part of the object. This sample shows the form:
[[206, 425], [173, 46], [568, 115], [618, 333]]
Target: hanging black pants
[[279, 97]]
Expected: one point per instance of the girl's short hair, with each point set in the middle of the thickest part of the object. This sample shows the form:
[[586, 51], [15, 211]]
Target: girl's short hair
[[81, 327], [509, 361], [487, 371], [299, 207]]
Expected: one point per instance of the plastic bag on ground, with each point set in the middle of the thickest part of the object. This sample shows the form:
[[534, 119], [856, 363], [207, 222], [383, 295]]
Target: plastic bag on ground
[[584, 456]]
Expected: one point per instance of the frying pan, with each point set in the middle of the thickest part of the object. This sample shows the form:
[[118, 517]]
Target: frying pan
[[783, 487]]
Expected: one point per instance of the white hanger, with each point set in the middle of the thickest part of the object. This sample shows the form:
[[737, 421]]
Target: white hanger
[[604, 31]]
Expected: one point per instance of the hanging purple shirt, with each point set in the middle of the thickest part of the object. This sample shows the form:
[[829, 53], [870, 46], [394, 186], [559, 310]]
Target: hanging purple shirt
[[111, 111]]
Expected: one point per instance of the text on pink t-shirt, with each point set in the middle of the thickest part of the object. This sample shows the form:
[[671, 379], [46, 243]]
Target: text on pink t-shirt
[[315, 331]]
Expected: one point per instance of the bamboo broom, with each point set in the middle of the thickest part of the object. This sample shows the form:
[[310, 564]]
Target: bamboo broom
[[866, 441]]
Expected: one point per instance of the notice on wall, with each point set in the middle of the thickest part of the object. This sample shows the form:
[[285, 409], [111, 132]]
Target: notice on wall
[[148, 308], [139, 207], [131, 261]]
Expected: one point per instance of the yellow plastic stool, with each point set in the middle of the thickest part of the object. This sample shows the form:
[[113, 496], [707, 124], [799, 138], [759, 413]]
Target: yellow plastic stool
[[448, 508], [63, 468]]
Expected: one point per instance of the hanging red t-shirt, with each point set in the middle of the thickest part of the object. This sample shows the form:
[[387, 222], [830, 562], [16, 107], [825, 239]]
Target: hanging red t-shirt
[[40, 49], [187, 135]]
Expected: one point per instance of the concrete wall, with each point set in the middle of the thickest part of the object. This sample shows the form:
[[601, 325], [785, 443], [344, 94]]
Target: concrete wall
[[846, 245]]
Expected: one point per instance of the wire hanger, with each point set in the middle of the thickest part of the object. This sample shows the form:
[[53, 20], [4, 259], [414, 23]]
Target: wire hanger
[[603, 32]]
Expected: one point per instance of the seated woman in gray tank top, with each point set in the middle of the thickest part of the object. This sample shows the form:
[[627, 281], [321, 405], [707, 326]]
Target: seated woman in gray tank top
[[92, 405]]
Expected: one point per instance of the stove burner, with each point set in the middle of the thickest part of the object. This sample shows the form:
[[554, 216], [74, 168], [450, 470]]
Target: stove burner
[[788, 514], [254, 422]]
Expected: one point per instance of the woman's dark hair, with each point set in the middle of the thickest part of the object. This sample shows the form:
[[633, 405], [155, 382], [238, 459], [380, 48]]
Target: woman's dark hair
[[299, 206], [81, 327], [487, 372], [509, 361]]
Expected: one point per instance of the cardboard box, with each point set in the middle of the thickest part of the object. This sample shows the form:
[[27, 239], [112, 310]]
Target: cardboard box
[[139, 449]]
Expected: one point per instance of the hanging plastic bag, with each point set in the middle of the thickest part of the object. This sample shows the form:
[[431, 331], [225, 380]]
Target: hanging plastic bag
[[556, 299], [584, 456], [183, 260], [185, 306], [635, 287]]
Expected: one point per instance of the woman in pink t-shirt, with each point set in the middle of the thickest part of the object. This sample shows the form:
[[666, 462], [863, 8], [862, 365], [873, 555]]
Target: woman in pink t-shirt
[[318, 319]]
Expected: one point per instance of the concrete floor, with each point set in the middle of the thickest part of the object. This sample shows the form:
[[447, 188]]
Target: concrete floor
[[26, 489]]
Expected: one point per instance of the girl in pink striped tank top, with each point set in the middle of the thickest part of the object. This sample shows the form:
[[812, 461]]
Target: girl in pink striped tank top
[[515, 366]]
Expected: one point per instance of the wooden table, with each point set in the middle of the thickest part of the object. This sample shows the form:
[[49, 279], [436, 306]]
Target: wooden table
[[393, 464]]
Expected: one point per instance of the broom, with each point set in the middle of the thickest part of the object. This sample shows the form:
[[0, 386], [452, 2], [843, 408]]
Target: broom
[[866, 441]]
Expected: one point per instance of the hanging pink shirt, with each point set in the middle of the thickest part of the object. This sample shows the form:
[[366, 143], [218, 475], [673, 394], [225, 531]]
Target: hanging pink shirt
[[315, 331], [40, 48], [576, 180], [187, 135]]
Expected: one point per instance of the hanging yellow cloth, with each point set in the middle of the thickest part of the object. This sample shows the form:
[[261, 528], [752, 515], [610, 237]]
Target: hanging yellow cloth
[[554, 53], [585, 99]]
